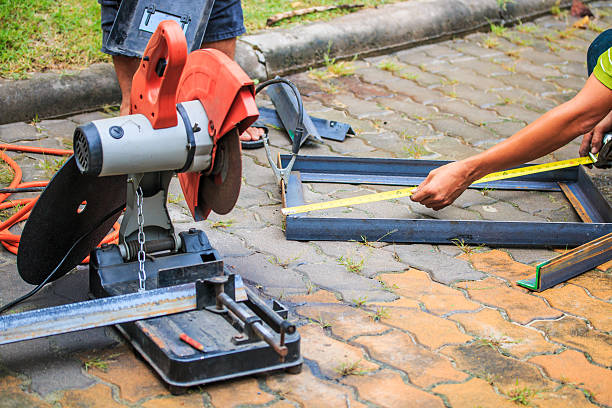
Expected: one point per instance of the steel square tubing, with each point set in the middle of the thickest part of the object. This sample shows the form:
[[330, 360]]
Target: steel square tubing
[[410, 172]]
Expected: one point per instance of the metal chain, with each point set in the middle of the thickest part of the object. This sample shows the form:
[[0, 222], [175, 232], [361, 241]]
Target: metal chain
[[142, 275]]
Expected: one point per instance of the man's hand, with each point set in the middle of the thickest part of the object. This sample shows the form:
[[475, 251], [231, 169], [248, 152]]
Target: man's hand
[[443, 185], [593, 140]]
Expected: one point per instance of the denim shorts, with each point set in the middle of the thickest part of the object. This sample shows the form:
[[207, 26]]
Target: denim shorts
[[226, 21]]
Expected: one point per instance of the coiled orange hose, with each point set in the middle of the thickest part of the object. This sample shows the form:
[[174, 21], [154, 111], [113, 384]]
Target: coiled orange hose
[[9, 240]]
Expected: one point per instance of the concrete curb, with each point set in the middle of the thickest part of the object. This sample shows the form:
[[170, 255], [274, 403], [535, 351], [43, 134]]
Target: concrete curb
[[282, 51]]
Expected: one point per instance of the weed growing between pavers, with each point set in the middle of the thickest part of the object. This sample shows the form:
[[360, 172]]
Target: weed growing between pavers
[[51, 165], [100, 363], [351, 265], [360, 301], [221, 224], [380, 313], [350, 368]]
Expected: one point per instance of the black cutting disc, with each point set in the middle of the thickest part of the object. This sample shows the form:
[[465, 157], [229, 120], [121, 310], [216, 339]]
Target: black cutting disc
[[72, 206], [220, 189]]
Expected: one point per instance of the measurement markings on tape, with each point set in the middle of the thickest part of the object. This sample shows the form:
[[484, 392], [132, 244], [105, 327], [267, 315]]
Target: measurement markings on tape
[[406, 192]]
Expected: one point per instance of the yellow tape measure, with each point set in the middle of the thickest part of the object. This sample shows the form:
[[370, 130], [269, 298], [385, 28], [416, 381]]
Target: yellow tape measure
[[406, 192]]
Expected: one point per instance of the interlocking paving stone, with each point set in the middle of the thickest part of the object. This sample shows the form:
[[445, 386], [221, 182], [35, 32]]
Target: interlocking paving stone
[[122, 368], [573, 299], [573, 332], [310, 391], [191, 400], [475, 392], [506, 373], [18, 132], [387, 389], [429, 330], [599, 284], [238, 392], [423, 367], [437, 298], [572, 367], [500, 264], [98, 396], [334, 358], [15, 396], [442, 267], [520, 306], [343, 321], [492, 329]]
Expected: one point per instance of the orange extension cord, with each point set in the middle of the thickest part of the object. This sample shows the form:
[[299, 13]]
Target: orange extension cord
[[9, 240]]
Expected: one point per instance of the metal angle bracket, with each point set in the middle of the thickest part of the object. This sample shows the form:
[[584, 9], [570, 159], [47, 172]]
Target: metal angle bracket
[[402, 172], [328, 129], [570, 264]]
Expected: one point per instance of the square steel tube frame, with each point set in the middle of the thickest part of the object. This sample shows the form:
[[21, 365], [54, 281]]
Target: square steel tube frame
[[403, 172]]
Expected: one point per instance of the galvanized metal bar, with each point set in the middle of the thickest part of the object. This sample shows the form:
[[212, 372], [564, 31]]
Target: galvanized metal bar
[[97, 313], [570, 264], [502, 233]]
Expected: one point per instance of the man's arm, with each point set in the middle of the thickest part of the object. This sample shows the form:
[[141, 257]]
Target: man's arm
[[549, 132]]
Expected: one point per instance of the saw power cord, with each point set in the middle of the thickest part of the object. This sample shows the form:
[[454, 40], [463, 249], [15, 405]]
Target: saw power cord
[[59, 265], [9, 240]]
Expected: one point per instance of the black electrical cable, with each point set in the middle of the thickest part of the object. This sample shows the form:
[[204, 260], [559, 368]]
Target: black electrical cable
[[299, 128], [21, 190], [48, 278]]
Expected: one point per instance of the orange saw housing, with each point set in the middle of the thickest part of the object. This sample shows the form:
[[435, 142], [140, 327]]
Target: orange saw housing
[[167, 76]]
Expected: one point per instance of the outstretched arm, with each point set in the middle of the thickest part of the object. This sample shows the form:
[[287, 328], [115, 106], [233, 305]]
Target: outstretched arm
[[549, 132]]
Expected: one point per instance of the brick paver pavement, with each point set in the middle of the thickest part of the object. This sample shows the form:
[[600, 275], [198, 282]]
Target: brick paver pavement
[[382, 325]]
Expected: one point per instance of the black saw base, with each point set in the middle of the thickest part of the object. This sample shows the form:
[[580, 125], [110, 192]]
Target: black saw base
[[228, 353]]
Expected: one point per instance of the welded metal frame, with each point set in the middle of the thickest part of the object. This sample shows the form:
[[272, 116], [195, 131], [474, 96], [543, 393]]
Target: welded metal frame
[[585, 197]]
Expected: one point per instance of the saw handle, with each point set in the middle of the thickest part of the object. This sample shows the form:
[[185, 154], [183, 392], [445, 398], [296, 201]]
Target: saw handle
[[157, 78]]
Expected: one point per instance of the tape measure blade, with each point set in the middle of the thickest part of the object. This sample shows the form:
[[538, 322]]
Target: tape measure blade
[[344, 202]]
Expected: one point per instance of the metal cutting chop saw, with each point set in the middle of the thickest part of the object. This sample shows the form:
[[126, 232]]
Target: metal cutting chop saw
[[158, 286]]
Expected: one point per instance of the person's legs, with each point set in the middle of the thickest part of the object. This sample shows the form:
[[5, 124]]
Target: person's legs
[[125, 68]]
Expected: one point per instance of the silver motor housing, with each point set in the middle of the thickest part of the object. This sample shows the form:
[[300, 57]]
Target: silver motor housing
[[129, 144]]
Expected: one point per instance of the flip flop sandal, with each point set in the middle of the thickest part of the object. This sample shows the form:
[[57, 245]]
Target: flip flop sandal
[[255, 144]]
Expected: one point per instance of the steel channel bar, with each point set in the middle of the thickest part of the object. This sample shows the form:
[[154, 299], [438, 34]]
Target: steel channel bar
[[502, 233], [575, 202], [376, 167], [97, 313]]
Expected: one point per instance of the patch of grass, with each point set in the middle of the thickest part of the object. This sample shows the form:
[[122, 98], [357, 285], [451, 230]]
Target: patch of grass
[[350, 368], [9, 212], [256, 12], [99, 363], [527, 28], [380, 313], [498, 30], [513, 53], [38, 35], [556, 11], [466, 248], [521, 395], [491, 42], [6, 173], [387, 288], [221, 224], [594, 27], [497, 343], [360, 301], [324, 324], [410, 77], [389, 65], [284, 263], [414, 150], [518, 40], [310, 287], [51, 165], [502, 102], [42, 35], [351, 265]]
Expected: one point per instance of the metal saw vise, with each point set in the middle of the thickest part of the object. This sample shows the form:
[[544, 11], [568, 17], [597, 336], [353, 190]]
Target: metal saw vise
[[157, 286]]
